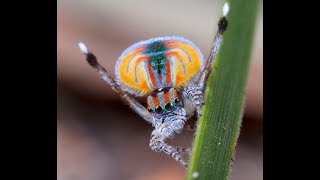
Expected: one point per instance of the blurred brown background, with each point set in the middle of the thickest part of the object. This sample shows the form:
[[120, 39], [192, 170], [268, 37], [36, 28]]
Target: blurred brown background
[[99, 137]]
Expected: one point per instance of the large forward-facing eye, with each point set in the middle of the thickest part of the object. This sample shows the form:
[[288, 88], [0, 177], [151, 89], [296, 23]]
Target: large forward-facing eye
[[169, 106], [159, 110]]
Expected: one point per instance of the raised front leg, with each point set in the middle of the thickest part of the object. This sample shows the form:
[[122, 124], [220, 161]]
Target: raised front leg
[[135, 105], [194, 93], [222, 27]]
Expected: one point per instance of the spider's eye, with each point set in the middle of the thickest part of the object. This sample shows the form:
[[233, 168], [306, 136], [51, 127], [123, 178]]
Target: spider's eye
[[176, 101], [169, 106], [149, 109], [159, 110]]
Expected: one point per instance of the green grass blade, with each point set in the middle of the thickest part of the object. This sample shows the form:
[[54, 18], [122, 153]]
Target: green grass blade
[[218, 129]]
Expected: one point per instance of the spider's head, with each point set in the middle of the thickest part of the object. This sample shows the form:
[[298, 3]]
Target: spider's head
[[167, 110]]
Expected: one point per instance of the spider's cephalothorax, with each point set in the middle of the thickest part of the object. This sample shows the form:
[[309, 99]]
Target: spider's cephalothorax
[[171, 73]]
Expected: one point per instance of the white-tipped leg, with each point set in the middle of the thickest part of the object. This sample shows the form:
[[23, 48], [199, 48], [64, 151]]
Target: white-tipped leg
[[222, 26], [83, 48], [135, 105], [194, 92], [225, 9]]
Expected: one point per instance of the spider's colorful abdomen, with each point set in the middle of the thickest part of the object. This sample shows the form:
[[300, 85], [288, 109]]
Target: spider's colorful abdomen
[[158, 63]]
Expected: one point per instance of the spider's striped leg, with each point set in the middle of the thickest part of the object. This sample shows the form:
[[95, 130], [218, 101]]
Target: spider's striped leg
[[222, 27], [135, 105], [195, 91], [184, 150], [157, 144]]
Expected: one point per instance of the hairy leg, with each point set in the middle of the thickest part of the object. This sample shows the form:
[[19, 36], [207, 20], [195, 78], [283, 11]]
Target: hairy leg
[[194, 92], [104, 75], [157, 144]]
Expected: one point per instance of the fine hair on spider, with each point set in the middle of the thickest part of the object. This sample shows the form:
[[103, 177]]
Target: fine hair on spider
[[171, 73]]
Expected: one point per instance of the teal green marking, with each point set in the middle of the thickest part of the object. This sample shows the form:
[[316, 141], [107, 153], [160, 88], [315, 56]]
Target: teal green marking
[[157, 63], [156, 46], [155, 51]]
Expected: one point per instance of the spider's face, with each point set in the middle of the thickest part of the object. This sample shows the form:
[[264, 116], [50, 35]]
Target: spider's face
[[167, 110], [168, 123]]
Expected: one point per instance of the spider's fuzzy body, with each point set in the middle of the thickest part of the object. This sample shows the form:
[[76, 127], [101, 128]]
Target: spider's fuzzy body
[[171, 73]]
